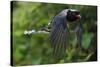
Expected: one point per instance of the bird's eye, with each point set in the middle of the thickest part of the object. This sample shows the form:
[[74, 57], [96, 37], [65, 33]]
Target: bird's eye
[[77, 12], [73, 13], [69, 10]]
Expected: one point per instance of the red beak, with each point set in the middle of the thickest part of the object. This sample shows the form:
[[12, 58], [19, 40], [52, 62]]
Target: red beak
[[78, 16]]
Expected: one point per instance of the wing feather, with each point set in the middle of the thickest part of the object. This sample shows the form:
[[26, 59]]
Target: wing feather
[[59, 36]]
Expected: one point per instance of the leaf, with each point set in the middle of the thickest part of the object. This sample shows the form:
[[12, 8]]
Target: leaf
[[87, 37]]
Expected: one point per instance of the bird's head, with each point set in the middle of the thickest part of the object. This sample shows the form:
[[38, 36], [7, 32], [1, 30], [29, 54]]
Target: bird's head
[[73, 15]]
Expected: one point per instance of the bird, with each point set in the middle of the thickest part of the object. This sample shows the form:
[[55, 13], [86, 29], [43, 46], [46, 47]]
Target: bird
[[59, 29]]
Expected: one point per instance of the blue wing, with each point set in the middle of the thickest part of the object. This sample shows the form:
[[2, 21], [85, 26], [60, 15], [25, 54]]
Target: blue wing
[[59, 36], [80, 35]]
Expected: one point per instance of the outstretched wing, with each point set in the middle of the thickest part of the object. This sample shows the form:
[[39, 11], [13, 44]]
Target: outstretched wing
[[59, 35], [80, 34]]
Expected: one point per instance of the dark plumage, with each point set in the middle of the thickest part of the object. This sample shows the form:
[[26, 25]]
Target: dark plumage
[[59, 31]]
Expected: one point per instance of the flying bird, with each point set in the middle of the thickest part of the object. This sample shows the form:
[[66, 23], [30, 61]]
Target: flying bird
[[59, 29]]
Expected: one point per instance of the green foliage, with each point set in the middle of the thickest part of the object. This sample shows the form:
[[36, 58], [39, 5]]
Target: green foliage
[[35, 49]]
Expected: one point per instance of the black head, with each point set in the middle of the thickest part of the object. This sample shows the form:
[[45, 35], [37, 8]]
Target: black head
[[73, 15]]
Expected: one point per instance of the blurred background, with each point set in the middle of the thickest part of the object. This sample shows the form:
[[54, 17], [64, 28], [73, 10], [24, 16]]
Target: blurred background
[[35, 49]]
